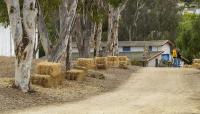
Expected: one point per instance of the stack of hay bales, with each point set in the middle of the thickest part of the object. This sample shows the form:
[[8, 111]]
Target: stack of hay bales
[[88, 63], [112, 61], [48, 75], [196, 63], [76, 74], [123, 62], [101, 62]]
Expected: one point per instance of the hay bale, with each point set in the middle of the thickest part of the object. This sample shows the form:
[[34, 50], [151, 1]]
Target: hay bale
[[43, 80], [88, 63], [77, 75], [123, 58], [123, 64], [80, 68], [196, 61], [47, 81], [49, 68], [58, 79], [101, 62], [113, 61], [196, 65]]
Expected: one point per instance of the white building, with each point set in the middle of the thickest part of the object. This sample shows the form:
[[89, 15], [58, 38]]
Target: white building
[[7, 43], [157, 50]]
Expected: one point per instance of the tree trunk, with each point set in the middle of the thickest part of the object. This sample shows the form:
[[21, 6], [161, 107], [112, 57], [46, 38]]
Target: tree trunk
[[69, 54], [113, 20], [83, 35], [97, 39], [43, 33], [24, 35], [67, 16], [113, 27]]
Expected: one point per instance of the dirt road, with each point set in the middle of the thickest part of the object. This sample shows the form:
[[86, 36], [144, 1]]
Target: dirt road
[[149, 91]]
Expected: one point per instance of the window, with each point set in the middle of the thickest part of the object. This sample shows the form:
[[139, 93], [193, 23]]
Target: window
[[150, 48], [126, 49]]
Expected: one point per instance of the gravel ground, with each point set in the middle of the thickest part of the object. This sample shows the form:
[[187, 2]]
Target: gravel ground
[[70, 91]]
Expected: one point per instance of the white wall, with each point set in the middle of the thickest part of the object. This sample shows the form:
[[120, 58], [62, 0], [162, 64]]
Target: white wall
[[165, 48], [154, 48], [152, 63], [6, 42]]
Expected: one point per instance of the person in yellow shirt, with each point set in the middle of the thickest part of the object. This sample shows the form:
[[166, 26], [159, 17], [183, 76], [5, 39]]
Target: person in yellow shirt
[[175, 55]]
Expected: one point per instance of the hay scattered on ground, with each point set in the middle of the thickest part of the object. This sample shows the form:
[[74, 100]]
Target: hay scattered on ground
[[75, 74]]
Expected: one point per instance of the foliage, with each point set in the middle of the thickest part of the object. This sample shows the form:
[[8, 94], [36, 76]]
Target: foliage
[[188, 38], [115, 3], [3, 13], [158, 19]]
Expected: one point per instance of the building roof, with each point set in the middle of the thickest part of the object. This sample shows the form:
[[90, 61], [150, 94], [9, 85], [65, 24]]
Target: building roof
[[155, 43]]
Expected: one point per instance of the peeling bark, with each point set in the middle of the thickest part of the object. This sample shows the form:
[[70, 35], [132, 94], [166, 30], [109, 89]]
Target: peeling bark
[[44, 36], [113, 26], [23, 33], [67, 16], [97, 39], [83, 35]]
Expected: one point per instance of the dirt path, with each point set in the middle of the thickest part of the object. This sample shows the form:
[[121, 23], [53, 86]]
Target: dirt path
[[149, 91]]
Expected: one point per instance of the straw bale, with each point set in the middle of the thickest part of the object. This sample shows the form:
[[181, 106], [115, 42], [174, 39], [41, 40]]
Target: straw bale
[[123, 58], [43, 80], [77, 75], [88, 63], [196, 65], [101, 62], [80, 68], [123, 64], [48, 68], [196, 61], [113, 61]]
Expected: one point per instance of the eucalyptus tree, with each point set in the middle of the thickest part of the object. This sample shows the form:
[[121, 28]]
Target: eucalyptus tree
[[115, 7], [22, 23], [98, 15], [149, 20], [67, 12]]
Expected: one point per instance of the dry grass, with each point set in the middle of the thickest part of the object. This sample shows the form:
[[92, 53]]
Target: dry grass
[[75, 74]]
